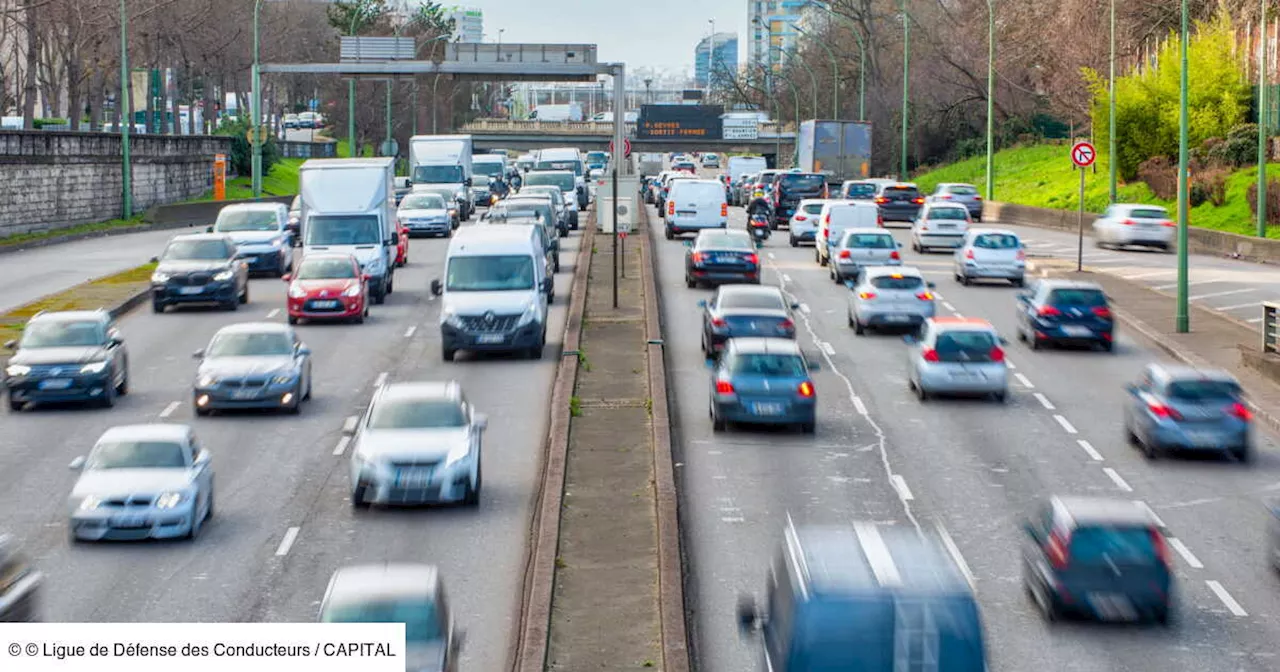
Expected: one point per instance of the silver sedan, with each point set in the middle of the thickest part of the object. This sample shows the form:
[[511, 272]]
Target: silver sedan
[[889, 296]]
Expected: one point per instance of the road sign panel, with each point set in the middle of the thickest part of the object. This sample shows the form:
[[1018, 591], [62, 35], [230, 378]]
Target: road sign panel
[[1083, 154], [626, 145]]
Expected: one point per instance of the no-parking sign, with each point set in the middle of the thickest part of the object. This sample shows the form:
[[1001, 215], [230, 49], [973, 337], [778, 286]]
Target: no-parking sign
[[1083, 154]]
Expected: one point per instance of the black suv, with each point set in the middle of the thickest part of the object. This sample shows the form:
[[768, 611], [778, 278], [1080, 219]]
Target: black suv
[[199, 268], [899, 202], [790, 189], [67, 357]]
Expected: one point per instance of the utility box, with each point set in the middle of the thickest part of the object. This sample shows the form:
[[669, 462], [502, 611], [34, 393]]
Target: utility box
[[628, 201]]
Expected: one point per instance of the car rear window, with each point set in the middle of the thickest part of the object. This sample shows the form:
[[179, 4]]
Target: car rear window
[[965, 345], [949, 214], [768, 178], [725, 241], [962, 190], [996, 241], [1097, 545], [802, 182], [901, 192], [873, 241], [1203, 390], [860, 190], [813, 208], [769, 365], [752, 300], [1151, 213], [891, 282], [1081, 298]]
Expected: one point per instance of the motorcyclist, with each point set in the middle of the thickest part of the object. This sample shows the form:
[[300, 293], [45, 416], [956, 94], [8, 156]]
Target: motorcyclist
[[759, 213]]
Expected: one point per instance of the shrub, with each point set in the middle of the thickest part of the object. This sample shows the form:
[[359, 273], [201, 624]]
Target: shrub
[[1238, 148], [1212, 183], [1161, 175], [1273, 200], [242, 152], [40, 122]]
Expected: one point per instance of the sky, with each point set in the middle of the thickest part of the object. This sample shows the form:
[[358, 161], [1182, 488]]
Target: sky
[[654, 33]]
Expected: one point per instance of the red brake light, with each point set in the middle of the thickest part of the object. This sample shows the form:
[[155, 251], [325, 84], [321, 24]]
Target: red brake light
[[925, 296], [806, 389], [945, 197], [724, 387], [827, 219], [1161, 411], [1162, 549], [881, 199], [977, 198], [1241, 411], [699, 257], [787, 325], [894, 255], [866, 295], [1103, 312], [931, 355], [879, 220], [717, 322], [1167, 223], [1128, 222], [1056, 549], [844, 254], [918, 201], [753, 259], [997, 354], [969, 254], [1049, 311], [1022, 256], [801, 218], [724, 209], [671, 207]]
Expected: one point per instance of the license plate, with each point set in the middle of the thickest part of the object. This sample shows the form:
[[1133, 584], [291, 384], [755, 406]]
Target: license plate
[[55, 384], [1203, 438], [767, 409], [897, 318], [413, 478], [946, 226], [249, 260], [129, 521], [245, 394], [325, 304], [963, 375], [490, 338], [1077, 331], [728, 260], [1112, 607], [686, 213], [191, 290]]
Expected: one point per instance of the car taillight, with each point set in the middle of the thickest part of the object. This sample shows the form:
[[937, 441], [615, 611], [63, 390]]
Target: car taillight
[[945, 197], [844, 254], [879, 220], [826, 220], [881, 199], [977, 198], [1240, 411], [1049, 311], [717, 322], [1102, 312], [917, 201], [969, 255], [1161, 411], [997, 354], [925, 296], [1167, 223], [753, 259], [699, 257], [1162, 549], [930, 355], [866, 295], [1022, 256], [724, 209], [787, 325], [1128, 222], [801, 218], [894, 255], [671, 207], [805, 389], [1056, 549], [724, 387]]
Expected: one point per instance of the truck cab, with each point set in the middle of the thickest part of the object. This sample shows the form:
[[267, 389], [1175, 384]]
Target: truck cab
[[444, 162], [348, 207]]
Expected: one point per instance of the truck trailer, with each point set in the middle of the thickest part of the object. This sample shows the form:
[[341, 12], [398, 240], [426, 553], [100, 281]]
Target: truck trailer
[[841, 150]]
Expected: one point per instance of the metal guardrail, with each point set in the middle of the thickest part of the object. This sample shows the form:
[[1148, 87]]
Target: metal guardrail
[[291, 149], [1270, 327]]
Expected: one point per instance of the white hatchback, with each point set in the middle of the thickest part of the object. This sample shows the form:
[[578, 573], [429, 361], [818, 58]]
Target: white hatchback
[[939, 225], [804, 223], [1125, 224]]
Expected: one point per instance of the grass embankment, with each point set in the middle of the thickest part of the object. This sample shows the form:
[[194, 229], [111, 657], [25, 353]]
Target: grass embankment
[[105, 292], [1042, 176], [96, 227], [281, 180]]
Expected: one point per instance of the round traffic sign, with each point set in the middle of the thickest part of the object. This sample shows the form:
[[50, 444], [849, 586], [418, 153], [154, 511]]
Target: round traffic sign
[[389, 148], [626, 146], [1083, 154]]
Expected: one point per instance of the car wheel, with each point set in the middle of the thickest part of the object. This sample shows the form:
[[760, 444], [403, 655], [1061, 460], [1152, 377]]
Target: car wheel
[[1242, 454], [233, 305], [307, 396], [198, 410], [358, 495], [669, 233], [1000, 397], [794, 242], [1018, 282], [16, 406], [447, 355], [1163, 615], [380, 296], [472, 498], [296, 407], [921, 394], [964, 279], [1034, 342], [244, 296], [556, 265], [1107, 346], [208, 507], [822, 260], [359, 319], [293, 320], [157, 306], [717, 424], [1150, 450], [108, 397], [808, 427], [123, 388], [858, 327], [391, 282], [690, 283]]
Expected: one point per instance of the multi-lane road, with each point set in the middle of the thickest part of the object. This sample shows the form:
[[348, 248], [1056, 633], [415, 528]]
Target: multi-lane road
[[973, 468], [284, 522]]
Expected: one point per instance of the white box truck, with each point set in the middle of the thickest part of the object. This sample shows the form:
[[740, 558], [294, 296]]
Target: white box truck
[[443, 162], [569, 112], [349, 206]]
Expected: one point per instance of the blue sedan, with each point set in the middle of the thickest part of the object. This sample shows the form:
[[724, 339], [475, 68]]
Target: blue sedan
[[763, 381], [1186, 409], [253, 365]]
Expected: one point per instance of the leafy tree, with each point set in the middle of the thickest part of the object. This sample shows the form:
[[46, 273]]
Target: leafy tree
[[242, 151], [351, 16]]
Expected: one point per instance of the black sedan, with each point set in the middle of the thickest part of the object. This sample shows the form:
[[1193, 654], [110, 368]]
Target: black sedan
[[199, 268], [721, 256], [738, 311]]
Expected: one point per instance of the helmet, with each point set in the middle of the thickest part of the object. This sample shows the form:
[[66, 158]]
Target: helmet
[[759, 193]]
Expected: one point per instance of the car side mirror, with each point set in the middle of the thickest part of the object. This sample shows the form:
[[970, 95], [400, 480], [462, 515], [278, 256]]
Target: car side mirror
[[436, 288], [795, 305], [909, 339], [11, 345], [208, 229], [545, 285], [702, 304], [303, 350], [1131, 388], [77, 464], [389, 242], [932, 285], [116, 340], [900, 246], [155, 260], [481, 421], [287, 277], [1004, 341], [198, 354], [204, 457], [748, 615]]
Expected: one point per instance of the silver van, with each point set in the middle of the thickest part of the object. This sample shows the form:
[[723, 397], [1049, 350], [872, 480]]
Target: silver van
[[694, 205]]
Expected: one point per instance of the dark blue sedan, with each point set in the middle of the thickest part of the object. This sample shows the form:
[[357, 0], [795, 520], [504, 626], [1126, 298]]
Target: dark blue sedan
[[763, 381], [1065, 312], [721, 256]]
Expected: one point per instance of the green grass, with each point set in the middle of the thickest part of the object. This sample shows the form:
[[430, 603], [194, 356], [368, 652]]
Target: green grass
[[281, 180], [344, 150], [103, 292], [24, 238], [1043, 176]]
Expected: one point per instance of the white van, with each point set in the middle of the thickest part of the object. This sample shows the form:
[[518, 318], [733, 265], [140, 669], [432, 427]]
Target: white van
[[694, 205], [494, 293], [836, 218]]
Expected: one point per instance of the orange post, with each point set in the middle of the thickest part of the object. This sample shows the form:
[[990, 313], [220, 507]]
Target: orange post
[[220, 177]]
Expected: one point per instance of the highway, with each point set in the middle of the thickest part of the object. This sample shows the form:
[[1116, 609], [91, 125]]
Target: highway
[[974, 468], [284, 522]]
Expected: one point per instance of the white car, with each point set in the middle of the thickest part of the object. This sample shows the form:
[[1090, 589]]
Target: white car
[[1127, 224], [840, 216], [995, 254], [803, 226], [939, 226]]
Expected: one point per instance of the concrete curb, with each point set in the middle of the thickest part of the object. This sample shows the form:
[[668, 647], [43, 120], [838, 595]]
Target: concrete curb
[[534, 619], [675, 639], [138, 298]]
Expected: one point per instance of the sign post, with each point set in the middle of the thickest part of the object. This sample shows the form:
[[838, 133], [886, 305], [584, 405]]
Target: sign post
[[1082, 155], [219, 177]]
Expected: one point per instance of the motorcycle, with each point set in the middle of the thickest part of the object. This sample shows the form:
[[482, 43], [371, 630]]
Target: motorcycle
[[758, 225]]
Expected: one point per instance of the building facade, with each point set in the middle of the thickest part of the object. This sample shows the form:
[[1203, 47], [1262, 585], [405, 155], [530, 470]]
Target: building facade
[[469, 23], [773, 27], [715, 59]]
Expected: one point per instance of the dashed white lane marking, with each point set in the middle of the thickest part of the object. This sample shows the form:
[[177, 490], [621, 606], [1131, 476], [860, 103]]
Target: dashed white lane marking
[[959, 314], [1009, 363], [273, 313], [1186, 553], [786, 278], [948, 306], [1238, 306], [1025, 382], [954, 550], [900, 484], [382, 378], [858, 406], [349, 425], [1217, 294], [1230, 602], [1151, 512], [1088, 448], [804, 308], [1066, 426], [1115, 478], [290, 536], [938, 296], [827, 348], [168, 410], [773, 256], [1044, 401], [1254, 320], [342, 445], [1193, 282], [408, 333]]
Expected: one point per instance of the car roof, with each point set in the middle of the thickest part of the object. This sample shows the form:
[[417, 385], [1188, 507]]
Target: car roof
[[251, 206], [328, 256], [955, 184], [1002, 232], [157, 430], [765, 346], [200, 236], [1184, 372], [714, 183], [833, 203], [891, 184], [882, 271], [840, 560], [945, 206], [255, 328], [1135, 206], [1103, 511], [947, 323], [1062, 283], [718, 233], [812, 201], [749, 289], [388, 580], [421, 390], [72, 315]]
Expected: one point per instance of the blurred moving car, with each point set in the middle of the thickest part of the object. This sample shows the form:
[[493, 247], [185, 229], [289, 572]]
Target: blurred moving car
[[419, 443], [142, 482], [290, 121], [1065, 312], [328, 287], [763, 381], [803, 226], [790, 189], [961, 194], [1183, 408], [957, 356], [898, 201], [939, 226], [389, 592], [738, 311], [19, 584], [253, 365], [261, 234], [860, 248], [885, 296], [76, 355], [1101, 558], [990, 254], [428, 214], [719, 256], [858, 190], [865, 597], [1133, 225], [199, 268]]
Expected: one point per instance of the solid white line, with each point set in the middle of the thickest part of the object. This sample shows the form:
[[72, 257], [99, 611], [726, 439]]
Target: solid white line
[[349, 425], [786, 277], [1255, 304], [954, 550], [408, 333], [168, 410], [1254, 320], [1025, 382], [1088, 448], [382, 378], [900, 484], [1065, 425], [1186, 553], [290, 536], [1196, 282], [1151, 512], [273, 313], [827, 348], [342, 445], [1151, 274], [1044, 401], [948, 306], [1216, 294], [1232, 606], [1115, 478], [804, 308], [858, 406]]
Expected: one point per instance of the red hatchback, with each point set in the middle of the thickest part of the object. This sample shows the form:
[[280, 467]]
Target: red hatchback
[[328, 287]]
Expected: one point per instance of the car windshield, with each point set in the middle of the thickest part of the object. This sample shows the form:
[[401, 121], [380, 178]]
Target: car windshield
[[768, 178], [342, 230], [420, 618], [996, 241], [322, 269], [489, 168], [1203, 390], [417, 414], [802, 182], [1098, 545], [874, 241], [575, 166], [1151, 213], [490, 273], [1078, 298], [61, 334], [137, 455], [250, 344], [196, 250], [423, 202], [965, 345], [752, 300], [247, 220], [897, 282], [559, 179], [962, 190], [860, 190], [792, 366], [724, 241], [948, 214], [441, 174], [597, 156]]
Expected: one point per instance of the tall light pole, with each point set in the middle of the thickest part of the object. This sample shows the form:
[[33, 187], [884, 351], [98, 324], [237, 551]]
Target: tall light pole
[[126, 124], [1111, 106], [255, 108], [1263, 120], [862, 59], [1183, 316], [906, 80], [991, 98]]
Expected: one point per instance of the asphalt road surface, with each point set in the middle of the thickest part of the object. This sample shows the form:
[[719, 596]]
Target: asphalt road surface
[[974, 468], [284, 522]]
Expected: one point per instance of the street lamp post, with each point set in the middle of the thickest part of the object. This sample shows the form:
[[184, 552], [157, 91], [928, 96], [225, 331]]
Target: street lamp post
[[1111, 107], [991, 97], [906, 79], [1183, 318], [1263, 119], [835, 73], [255, 109], [126, 124], [862, 60]]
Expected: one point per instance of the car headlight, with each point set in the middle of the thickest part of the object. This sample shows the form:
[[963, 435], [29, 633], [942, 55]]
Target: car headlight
[[207, 381], [169, 500], [94, 367], [159, 277], [18, 370], [353, 290], [277, 242], [297, 293], [457, 453], [529, 314], [451, 318], [89, 503], [374, 267], [283, 379], [223, 276]]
